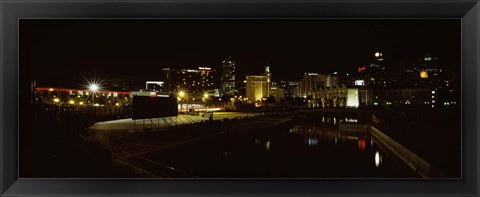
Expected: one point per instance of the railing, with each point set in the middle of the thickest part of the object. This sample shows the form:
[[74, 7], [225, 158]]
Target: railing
[[80, 115]]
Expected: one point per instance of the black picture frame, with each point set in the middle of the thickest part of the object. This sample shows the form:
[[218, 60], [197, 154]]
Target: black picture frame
[[11, 11]]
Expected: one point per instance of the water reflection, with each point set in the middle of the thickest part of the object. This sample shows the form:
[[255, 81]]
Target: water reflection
[[378, 159], [312, 142], [361, 144], [302, 148], [313, 133]]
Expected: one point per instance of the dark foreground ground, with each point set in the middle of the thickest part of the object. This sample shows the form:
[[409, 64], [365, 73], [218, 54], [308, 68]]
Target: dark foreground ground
[[252, 147]]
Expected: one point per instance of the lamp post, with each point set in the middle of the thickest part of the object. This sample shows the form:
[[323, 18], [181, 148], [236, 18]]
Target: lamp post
[[205, 97], [181, 95], [93, 88]]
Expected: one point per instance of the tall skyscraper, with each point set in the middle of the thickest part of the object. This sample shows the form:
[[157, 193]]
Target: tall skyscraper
[[227, 78], [268, 74]]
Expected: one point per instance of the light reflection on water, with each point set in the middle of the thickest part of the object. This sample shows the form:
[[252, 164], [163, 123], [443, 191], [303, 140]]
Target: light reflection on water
[[295, 149]]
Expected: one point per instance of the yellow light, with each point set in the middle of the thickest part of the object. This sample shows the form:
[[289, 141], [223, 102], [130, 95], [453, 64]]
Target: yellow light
[[117, 104], [56, 100], [424, 74], [205, 95], [81, 103], [71, 102], [51, 89], [181, 94]]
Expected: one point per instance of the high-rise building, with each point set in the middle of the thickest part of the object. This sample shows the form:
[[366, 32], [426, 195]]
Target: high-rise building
[[195, 81], [257, 88], [289, 87], [331, 81], [314, 81], [277, 92], [227, 78]]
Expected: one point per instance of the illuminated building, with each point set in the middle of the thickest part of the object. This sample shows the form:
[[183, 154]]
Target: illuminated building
[[73, 96], [353, 98], [257, 88], [278, 93], [268, 74], [289, 87], [194, 81], [331, 81], [154, 86], [312, 81], [323, 96], [227, 78]]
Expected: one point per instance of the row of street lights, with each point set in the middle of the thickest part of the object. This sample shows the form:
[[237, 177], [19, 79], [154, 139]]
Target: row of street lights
[[182, 94]]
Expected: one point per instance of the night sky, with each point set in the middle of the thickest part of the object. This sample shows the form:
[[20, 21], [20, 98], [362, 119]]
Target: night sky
[[68, 49]]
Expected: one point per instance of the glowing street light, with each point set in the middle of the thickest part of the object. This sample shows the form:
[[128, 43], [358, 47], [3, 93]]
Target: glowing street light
[[181, 94], [93, 87], [56, 100], [205, 95]]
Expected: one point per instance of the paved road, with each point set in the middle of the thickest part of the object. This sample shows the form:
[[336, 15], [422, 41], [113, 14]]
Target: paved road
[[131, 125]]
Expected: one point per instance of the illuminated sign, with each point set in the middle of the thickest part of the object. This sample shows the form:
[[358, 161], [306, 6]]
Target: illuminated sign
[[359, 82]]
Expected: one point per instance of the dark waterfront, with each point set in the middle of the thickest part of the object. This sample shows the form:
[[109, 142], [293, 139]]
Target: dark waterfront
[[297, 149]]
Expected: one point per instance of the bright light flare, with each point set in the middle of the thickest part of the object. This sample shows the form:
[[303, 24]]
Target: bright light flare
[[181, 94], [56, 100], [93, 87]]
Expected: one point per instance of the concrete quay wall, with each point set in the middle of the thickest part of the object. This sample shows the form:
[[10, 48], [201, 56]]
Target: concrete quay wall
[[413, 161]]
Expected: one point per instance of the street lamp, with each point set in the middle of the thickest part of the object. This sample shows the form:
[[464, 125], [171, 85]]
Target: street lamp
[[181, 94], [205, 97], [93, 88]]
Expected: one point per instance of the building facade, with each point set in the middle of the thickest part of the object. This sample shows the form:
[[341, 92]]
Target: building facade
[[257, 88], [192, 81], [227, 78], [313, 81]]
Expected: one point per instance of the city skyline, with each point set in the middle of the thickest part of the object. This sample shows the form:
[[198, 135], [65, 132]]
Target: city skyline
[[240, 98], [142, 48]]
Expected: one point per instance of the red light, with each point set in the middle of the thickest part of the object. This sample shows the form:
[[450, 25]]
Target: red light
[[153, 94], [360, 69], [361, 144]]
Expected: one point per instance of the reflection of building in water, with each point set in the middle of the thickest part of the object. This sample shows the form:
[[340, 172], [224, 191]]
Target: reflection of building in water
[[327, 133]]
